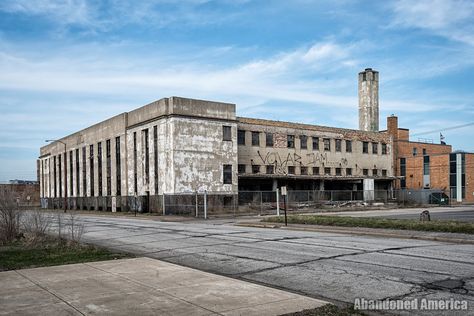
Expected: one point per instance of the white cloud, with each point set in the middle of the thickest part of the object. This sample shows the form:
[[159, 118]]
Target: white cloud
[[452, 19]]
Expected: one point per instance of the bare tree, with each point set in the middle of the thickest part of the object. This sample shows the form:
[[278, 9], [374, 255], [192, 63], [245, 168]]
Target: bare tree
[[36, 224], [10, 216], [76, 228]]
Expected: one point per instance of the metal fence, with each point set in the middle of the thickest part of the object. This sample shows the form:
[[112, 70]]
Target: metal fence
[[205, 204]]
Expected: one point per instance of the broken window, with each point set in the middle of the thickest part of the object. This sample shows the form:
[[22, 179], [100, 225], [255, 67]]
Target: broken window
[[241, 169], [327, 144], [303, 142], [290, 141], [291, 170], [338, 145], [269, 139], [255, 168], [315, 143], [327, 171], [84, 171], [365, 172], [270, 169], [227, 174], [375, 172], [348, 146], [384, 172], [315, 170], [146, 154], [348, 171], [255, 138], [226, 133], [365, 147], [415, 151], [384, 149], [375, 148], [338, 172], [241, 137], [304, 171]]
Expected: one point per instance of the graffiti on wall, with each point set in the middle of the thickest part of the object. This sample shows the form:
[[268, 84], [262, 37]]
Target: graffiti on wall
[[293, 159]]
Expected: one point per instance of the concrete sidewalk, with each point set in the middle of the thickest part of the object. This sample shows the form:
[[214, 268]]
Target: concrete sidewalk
[[139, 286]]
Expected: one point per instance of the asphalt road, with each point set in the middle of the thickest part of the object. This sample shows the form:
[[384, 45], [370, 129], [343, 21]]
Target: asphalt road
[[335, 267]]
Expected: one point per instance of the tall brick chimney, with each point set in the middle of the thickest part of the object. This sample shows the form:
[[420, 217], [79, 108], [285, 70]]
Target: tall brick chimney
[[369, 100]]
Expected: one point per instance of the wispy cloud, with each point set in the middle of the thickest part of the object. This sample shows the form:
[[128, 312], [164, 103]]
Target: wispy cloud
[[452, 19]]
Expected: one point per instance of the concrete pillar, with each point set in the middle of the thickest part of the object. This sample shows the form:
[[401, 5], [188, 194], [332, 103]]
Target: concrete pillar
[[275, 185], [369, 100]]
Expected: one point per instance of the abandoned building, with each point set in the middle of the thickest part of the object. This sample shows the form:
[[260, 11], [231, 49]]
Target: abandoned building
[[178, 145]]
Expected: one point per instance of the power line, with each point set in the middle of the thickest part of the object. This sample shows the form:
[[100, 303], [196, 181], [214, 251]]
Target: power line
[[444, 129]]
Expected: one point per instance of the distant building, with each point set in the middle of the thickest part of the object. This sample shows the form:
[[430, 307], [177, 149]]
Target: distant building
[[423, 165]]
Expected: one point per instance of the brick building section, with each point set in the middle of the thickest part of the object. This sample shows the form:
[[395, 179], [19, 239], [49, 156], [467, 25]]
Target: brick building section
[[404, 148], [25, 194], [469, 178]]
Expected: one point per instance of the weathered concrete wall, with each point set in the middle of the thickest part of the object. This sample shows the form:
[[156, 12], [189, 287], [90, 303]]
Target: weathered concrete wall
[[369, 100], [281, 157], [101, 132]]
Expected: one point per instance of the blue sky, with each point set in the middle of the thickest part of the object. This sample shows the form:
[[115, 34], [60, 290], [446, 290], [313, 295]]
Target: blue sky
[[65, 65]]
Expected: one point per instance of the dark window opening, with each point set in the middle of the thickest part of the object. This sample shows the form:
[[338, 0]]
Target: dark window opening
[[155, 157], [365, 172], [91, 169], [84, 171], [315, 170], [78, 180], [290, 141], [118, 164], [270, 169], [348, 146], [255, 168], [384, 149], [241, 137], [315, 143], [375, 148], [426, 165], [108, 167], [384, 172], [60, 174], [227, 174], [338, 145], [348, 171], [415, 151], [338, 171], [327, 144], [71, 172], [291, 170], [365, 147], [55, 175], [226, 133], [304, 171], [327, 171], [135, 164], [255, 138], [269, 139], [375, 172], [303, 142], [99, 166], [146, 153], [241, 169]]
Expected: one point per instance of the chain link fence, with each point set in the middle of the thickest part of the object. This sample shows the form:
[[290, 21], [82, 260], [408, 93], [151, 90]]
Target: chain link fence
[[206, 204]]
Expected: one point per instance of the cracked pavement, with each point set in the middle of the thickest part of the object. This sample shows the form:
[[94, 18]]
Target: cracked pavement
[[331, 266]]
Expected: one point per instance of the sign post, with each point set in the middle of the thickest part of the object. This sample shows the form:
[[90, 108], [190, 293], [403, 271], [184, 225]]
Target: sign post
[[284, 193]]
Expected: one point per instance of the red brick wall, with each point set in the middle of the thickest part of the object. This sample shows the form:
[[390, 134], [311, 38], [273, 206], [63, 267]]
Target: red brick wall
[[469, 177], [22, 191]]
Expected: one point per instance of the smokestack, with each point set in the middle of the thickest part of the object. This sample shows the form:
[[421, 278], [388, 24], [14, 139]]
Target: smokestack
[[369, 100]]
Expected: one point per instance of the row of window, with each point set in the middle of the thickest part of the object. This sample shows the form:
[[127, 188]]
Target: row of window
[[55, 176], [304, 141], [270, 169]]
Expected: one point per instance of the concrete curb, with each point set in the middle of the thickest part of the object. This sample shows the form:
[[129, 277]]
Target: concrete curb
[[345, 230]]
